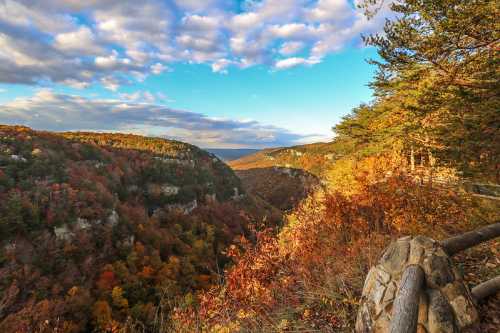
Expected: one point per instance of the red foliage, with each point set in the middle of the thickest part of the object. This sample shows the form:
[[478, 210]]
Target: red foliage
[[106, 281]]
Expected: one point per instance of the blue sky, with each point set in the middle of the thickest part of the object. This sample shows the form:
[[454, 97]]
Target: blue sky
[[216, 73]]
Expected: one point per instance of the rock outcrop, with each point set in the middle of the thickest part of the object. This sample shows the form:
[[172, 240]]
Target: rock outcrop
[[445, 302]]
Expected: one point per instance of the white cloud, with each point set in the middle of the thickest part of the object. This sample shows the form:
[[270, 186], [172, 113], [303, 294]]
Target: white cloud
[[220, 66], [149, 97], [330, 11], [110, 83], [158, 68], [81, 40], [295, 61], [50, 111], [292, 47], [111, 61], [80, 43], [292, 30]]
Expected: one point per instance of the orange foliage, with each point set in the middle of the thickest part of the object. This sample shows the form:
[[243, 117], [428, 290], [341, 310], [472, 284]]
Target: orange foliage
[[314, 269]]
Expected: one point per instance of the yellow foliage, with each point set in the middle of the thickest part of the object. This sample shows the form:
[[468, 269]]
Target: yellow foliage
[[118, 300]]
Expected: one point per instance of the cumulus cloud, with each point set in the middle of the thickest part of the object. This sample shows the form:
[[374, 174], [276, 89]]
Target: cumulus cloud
[[137, 113], [292, 47], [295, 61], [158, 68], [80, 43]]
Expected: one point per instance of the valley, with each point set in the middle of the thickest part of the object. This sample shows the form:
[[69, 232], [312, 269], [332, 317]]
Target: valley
[[114, 220]]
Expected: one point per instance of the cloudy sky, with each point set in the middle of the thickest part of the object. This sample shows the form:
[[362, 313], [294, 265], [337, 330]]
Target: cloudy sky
[[216, 73]]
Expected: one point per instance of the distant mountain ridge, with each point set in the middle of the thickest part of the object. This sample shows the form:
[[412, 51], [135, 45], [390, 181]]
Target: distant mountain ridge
[[314, 158], [230, 154]]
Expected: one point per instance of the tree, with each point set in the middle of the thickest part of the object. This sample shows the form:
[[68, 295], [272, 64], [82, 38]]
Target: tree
[[439, 66], [102, 314]]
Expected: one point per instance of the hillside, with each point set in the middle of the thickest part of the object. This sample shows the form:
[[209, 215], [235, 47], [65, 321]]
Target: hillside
[[315, 158], [284, 188], [96, 228]]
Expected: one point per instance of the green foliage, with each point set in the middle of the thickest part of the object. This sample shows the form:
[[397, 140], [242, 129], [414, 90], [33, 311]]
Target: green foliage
[[438, 77]]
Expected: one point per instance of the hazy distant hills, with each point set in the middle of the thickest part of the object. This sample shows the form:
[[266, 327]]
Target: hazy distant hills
[[314, 158], [231, 154]]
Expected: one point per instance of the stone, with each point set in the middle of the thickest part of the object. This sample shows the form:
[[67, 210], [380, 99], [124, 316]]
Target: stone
[[383, 276], [169, 190], [63, 233], [416, 253], [426, 242], [82, 223], [363, 320], [113, 218], [394, 258], [382, 323], [465, 312], [453, 290], [445, 304], [421, 329], [440, 314], [369, 281], [423, 309], [18, 158], [390, 293], [377, 295], [437, 271]]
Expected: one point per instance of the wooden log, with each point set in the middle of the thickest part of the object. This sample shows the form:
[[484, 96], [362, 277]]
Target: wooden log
[[485, 289], [482, 196], [469, 239], [405, 310]]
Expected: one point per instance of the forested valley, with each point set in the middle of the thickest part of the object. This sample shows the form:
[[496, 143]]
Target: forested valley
[[123, 233]]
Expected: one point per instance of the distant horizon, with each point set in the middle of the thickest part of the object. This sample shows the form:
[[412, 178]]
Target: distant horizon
[[160, 137]]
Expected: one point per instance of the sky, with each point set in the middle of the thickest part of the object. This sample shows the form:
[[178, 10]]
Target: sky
[[215, 73]]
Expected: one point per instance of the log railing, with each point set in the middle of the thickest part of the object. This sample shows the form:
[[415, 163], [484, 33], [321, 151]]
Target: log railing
[[405, 313], [405, 310]]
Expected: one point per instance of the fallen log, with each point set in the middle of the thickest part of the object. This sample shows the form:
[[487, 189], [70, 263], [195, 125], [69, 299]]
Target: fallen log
[[485, 289], [405, 311], [469, 239]]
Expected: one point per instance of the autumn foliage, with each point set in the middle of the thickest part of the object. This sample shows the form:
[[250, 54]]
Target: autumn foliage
[[310, 275], [85, 244]]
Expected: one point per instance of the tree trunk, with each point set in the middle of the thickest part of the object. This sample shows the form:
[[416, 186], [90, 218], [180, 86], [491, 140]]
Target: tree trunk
[[405, 311], [469, 239], [431, 166], [485, 289], [412, 160]]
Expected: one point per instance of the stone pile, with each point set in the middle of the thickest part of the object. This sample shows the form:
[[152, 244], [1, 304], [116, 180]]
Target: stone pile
[[445, 303]]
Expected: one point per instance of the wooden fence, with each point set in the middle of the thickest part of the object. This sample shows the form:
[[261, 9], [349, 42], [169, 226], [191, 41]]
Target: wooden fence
[[406, 304]]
